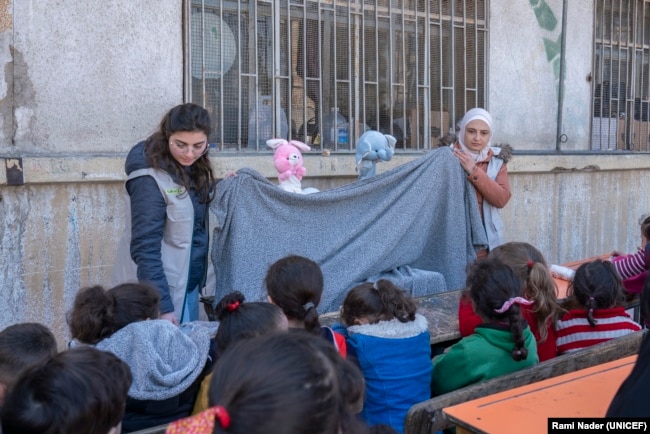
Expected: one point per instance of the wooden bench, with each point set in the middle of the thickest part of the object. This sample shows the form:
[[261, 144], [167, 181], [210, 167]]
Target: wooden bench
[[428, 417]]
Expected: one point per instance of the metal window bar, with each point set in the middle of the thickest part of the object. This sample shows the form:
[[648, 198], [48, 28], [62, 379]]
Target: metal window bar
[[265, 69], [620, 86]]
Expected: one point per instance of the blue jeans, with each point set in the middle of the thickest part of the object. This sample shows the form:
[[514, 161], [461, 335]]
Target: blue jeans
[[191, 306]]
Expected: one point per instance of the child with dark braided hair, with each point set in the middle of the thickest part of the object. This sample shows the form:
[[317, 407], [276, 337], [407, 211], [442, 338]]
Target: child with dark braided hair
[[502, 344], [596, 312], [537, 286], [391, 344]]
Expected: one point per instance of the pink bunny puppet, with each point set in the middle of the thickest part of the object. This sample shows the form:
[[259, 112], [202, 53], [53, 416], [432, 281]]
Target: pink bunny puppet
[[287, 160]]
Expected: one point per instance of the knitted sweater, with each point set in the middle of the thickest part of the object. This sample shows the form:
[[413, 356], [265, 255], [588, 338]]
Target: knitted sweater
[[575, 333], [395, 359], [485, 354]]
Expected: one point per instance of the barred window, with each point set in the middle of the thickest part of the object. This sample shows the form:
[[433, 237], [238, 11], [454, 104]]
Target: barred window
[[325, 71], [621, 85]]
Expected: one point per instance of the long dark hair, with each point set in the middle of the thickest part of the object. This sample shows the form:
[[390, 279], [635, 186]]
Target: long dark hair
[[295, 284], [596, 285], [491, 284], [185, 117]]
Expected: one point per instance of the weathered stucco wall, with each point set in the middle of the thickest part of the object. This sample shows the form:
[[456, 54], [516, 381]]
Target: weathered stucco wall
[[524, 73], [88, 76], [55, 238]]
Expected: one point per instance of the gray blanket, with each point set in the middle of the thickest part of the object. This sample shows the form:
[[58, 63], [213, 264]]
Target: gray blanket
[[420, 218]]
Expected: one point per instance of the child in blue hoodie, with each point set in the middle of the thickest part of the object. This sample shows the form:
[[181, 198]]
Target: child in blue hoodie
[[392, 345]]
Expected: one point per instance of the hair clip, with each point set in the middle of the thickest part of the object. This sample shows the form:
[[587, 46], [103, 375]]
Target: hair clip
[[375, 287], [530, 265], [508, 303], [308, 305], [221, 414], [233, 305]]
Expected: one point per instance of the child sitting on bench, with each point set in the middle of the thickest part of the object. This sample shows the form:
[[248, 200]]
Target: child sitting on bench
[[537, 286], [237, 321], [391, 344], [502, 344], [596, 313]]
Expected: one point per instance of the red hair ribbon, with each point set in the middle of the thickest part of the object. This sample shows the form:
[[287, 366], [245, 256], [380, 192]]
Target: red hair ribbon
[[233, 305], [530, 265], [221, 414], [511, 301]]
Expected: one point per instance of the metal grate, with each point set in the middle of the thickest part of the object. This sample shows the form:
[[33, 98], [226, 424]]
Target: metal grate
[[325, 71], [621, 85]]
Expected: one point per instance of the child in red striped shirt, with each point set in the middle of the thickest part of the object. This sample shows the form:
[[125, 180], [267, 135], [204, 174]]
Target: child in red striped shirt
[[595, 309]]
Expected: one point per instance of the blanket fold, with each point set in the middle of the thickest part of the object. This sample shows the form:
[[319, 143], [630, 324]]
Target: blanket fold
[[422, 215]]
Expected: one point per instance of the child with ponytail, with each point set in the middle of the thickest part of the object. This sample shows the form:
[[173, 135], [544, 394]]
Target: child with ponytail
[[295, 284], [596, 311], [502, 344], [237, 321], [537, 286], [391, 343]]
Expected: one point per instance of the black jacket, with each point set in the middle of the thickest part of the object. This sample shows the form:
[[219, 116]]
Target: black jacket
[[148, 217]]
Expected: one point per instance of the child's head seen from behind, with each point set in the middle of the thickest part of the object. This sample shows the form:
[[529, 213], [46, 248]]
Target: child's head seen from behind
[[538, 284], [494, 289], [80, 390], [98, 313], [369, 303], [295, 284], [596, 285], [23, 346], [239, 320], [288, 382]]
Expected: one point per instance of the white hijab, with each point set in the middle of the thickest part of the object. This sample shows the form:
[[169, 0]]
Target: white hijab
[[473, 114]]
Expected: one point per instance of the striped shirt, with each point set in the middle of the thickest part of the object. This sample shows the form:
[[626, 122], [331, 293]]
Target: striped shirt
[[575, 333], [630, 265]]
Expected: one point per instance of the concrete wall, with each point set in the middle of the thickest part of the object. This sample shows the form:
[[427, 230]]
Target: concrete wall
[[87, 76], [83, 81], [524, 72]]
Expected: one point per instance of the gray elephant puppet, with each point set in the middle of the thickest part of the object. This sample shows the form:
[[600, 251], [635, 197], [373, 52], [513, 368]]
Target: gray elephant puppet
[[373, 147]]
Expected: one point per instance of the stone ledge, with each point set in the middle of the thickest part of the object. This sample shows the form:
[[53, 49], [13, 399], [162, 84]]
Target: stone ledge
[[44, 169]]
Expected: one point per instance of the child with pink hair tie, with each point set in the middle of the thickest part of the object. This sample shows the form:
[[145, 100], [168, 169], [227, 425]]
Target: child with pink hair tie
[[502, 344]]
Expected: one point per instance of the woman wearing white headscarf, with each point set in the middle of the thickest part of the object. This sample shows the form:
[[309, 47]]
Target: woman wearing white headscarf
[[486, 170]]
